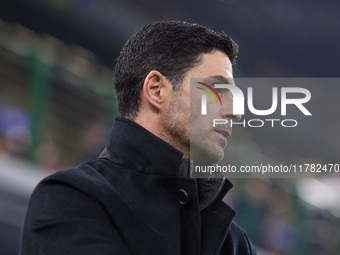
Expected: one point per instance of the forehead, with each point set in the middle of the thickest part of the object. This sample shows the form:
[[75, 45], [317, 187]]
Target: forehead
[[215, 67], [213, 64]]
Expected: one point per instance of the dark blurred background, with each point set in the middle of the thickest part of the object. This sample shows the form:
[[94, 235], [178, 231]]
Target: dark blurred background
[[57, 103]]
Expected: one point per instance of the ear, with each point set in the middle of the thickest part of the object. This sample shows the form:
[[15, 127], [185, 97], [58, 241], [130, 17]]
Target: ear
[[157, 90]]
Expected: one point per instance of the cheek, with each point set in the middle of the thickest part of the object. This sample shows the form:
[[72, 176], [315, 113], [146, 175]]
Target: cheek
[[227, 100], [202, 124], [200, 127]]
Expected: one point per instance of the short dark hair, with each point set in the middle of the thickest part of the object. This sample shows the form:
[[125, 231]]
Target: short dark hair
[[170, 47]]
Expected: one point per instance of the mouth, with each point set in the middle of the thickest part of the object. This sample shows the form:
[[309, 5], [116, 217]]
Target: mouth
[[225, 132]]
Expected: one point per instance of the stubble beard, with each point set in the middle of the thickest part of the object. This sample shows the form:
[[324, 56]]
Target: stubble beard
[[176, 130], [176, 124], [205, 152]]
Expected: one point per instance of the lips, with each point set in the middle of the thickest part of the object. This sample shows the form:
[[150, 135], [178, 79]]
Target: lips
[[225, 132]]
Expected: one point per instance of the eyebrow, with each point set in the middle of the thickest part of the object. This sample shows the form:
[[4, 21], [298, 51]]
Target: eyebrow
[[223, 79]]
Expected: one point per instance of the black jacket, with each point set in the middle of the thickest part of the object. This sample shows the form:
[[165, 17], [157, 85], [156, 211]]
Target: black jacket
[[137, 199]]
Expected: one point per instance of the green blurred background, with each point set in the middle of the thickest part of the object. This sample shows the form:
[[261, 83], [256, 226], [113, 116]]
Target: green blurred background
[[57, 102]]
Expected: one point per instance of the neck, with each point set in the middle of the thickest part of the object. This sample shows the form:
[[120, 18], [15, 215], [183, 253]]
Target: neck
[[155, 127], [177, 143]]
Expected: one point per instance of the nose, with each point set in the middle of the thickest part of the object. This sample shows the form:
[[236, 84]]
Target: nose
[[227, 111], [234, 117]]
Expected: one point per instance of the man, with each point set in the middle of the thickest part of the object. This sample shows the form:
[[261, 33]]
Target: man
[[138, 197]]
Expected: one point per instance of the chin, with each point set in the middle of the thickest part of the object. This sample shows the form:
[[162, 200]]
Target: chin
[[208, 155], [217, 157]]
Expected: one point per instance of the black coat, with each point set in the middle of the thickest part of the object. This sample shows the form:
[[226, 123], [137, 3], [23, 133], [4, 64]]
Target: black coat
[[135, 200]]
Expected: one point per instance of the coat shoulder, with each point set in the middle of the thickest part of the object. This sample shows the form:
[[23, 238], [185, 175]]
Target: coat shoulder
[[86, 177], [65, 209]]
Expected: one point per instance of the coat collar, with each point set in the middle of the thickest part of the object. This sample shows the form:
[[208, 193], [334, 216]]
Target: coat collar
[[135, 147]]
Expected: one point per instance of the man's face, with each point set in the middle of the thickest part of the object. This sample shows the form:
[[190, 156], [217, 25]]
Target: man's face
[[188, 126]]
